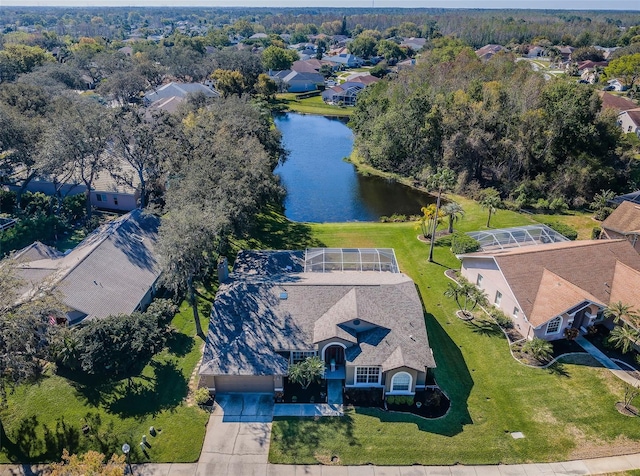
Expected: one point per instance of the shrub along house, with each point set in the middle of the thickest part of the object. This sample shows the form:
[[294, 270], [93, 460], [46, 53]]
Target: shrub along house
[[548, 288], [351, 307]]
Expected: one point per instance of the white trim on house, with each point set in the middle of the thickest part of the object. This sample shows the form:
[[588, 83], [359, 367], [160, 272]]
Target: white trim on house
[[401, 392], [557, 319], [329, 345], [367, 384]]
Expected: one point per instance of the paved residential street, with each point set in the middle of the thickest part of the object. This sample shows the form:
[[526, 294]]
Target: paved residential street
[[237, 444]]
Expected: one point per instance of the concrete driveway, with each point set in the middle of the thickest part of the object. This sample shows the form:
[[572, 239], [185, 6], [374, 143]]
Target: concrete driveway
[[238, 435]]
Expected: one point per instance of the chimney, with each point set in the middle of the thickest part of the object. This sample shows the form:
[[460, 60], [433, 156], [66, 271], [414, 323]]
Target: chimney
[[223, 269]]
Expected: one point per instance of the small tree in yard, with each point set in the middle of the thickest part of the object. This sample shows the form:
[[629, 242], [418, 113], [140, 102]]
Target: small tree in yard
[[490, 201], [539, 349], [630, 393], [466, 295], [307, 371]]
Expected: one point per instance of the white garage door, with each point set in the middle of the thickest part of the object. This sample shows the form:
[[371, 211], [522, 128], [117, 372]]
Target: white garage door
[[244, 383]]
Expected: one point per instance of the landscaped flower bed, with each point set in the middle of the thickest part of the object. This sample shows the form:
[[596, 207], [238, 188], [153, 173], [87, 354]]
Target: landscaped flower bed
[[600, 338], [428, 403], [315, 393]]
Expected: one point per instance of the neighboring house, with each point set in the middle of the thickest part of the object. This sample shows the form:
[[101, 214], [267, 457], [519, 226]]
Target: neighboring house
[[591, 66], [616, 85], [126, 50], [488, 51], [113, 271], [535, 52], [624, 222], [345, 59], [629, 121], [180, 90], [296, 82], [344, 94], [107, 193], [406, 64], [258, 36], [566, 52], [606, 52], [169, 104], [310, 66], [364, 78], [350, 307], [548, 288], [416, 44], [617, 103]]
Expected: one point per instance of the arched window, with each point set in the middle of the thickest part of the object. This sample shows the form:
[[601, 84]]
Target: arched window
[[553, 327], [401, 382]]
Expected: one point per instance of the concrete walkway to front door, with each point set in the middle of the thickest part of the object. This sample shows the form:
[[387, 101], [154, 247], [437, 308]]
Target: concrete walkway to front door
[[615, 369]]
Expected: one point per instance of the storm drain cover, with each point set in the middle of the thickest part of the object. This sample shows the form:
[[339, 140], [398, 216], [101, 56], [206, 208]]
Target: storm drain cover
[[516, 435]]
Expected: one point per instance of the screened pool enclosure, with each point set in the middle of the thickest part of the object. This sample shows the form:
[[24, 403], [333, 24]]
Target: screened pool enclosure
[[350, 259], [505, 238]]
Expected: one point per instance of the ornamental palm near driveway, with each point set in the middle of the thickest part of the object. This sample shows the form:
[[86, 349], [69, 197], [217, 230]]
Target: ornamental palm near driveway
[[238, 435]]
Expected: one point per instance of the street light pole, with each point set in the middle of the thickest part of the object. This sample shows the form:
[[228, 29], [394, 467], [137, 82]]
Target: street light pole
[[126, 449]]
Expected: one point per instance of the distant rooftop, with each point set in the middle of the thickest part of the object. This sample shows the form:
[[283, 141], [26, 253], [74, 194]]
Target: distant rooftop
[[516, 237], [350, 259]]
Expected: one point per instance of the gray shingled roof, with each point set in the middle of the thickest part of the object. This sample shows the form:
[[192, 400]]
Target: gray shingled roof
[[109, 273], [257, 314]]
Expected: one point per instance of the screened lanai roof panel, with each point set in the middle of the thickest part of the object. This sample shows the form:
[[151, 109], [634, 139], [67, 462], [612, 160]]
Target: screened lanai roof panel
[[504, 238], [350, 259]]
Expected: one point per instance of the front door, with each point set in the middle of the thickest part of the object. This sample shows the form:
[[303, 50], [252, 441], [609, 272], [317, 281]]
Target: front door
[[334, 353]]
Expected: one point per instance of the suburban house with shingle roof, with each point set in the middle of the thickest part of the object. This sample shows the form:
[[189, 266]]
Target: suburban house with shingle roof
[[548, 288], [624, 222], [351, 307], [629, 121], [112, 271]]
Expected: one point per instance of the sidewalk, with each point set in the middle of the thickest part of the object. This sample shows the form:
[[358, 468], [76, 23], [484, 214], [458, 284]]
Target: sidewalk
[[607, 362], [247, 468]]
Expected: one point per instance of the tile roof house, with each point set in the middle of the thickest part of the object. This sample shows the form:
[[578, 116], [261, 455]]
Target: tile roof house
[[351, 307], [112, 271], [624, 222], [548, 288]]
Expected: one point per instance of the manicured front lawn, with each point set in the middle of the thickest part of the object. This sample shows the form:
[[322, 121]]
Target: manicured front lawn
[[312, 105], [43, 418], [565, 412]]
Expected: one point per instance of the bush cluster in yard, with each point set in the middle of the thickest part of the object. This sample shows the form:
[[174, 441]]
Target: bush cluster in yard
[[501, 318], [363, 397], [563, 229], [462, 243], [400, 399]]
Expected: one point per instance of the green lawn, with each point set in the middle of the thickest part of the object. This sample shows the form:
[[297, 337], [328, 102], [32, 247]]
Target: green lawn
[[565, 412], [44, 418], [312, 105]]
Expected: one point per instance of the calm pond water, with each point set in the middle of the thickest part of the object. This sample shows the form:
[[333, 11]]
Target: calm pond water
[[322, 187]]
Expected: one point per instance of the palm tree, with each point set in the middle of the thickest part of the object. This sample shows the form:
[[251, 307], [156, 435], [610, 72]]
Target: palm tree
[[491, 201], [465, 294], [624, 337], [307, 371], [540, 349], [619, 312], [454, 212], [427, 218], [442, 181], [600, 204]]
